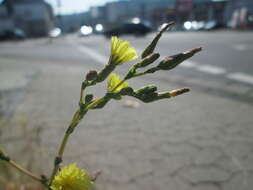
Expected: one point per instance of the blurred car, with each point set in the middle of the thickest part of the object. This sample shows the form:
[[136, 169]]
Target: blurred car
[[99, 29], [202, 25], [137, 29], [55, 32], [14, 34], [194, 25], [85, 31]]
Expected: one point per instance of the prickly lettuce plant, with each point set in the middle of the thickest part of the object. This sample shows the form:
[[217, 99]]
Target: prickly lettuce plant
[[71, 177]]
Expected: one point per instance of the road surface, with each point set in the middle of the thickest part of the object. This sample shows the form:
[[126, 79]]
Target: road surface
[[200, 140]]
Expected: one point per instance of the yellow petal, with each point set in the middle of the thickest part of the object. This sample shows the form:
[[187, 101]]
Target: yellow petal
[[122, 51], [72, 178], [113, 81]]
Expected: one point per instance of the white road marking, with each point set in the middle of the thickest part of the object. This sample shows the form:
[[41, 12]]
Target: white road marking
[[211, 69], [92, 53], [241, 77], [188, 64]]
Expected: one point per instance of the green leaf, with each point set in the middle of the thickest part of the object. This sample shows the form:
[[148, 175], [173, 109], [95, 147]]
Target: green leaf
[[113, 83]]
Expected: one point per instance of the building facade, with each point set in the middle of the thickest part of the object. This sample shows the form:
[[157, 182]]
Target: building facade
[[239, 13], [6, 23], [224, 12], [154, 11], [34, 17]]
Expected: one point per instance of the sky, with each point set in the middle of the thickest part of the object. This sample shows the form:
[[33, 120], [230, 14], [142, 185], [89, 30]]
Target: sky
[[74, 6]]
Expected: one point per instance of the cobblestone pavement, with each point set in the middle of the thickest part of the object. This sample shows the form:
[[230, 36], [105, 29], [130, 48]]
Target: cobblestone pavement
[[198, 141]]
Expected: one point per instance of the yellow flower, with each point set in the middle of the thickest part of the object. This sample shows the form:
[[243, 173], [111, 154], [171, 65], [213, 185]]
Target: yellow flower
[[113, 81], [122, 51], [72, 178]]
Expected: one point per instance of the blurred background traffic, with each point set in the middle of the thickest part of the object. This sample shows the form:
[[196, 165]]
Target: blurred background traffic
[[35, 18]]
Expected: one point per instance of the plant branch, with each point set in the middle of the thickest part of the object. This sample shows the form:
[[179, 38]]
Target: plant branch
[[24, 171]]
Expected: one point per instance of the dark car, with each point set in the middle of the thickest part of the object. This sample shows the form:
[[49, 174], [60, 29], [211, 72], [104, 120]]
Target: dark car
[[137, 29], [15, 34]]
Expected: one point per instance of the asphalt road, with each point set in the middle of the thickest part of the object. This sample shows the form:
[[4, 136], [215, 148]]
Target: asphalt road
[[200, 140]]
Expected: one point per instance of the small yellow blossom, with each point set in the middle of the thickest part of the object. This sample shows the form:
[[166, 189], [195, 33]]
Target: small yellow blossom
[[113, 81], [72, 178], [122, 51]]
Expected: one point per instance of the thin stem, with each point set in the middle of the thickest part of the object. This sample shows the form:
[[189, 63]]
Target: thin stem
[[81, 96], [60, 154], [24, 171], [93, 104], [84, 85], [63, 145], [121, 82], [139, 74]]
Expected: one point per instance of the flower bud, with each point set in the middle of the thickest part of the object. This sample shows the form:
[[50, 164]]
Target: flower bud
[[105, 72], [1, 152], [179, 91], [126, 91], [148, 60], [152, 45], [91, 75], [3, 156], [88, 98], [146, 90], [171, 62]]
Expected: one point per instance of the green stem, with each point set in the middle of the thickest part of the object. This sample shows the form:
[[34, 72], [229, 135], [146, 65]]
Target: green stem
[[24, 171], [93, 104], [58, 159], [139, 74], [81, 96]]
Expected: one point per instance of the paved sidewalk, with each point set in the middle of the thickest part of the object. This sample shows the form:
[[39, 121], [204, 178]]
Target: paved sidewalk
[[197, 141]]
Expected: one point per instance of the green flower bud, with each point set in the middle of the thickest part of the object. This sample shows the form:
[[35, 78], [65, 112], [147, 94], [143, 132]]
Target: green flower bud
[[171, 62], [146, 90], [88, 98], [1, 152], [178, 92], [148, 60], [102, 75], [3, 156], [113, 95], [91, 75], [126, 91], [152, 45]]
